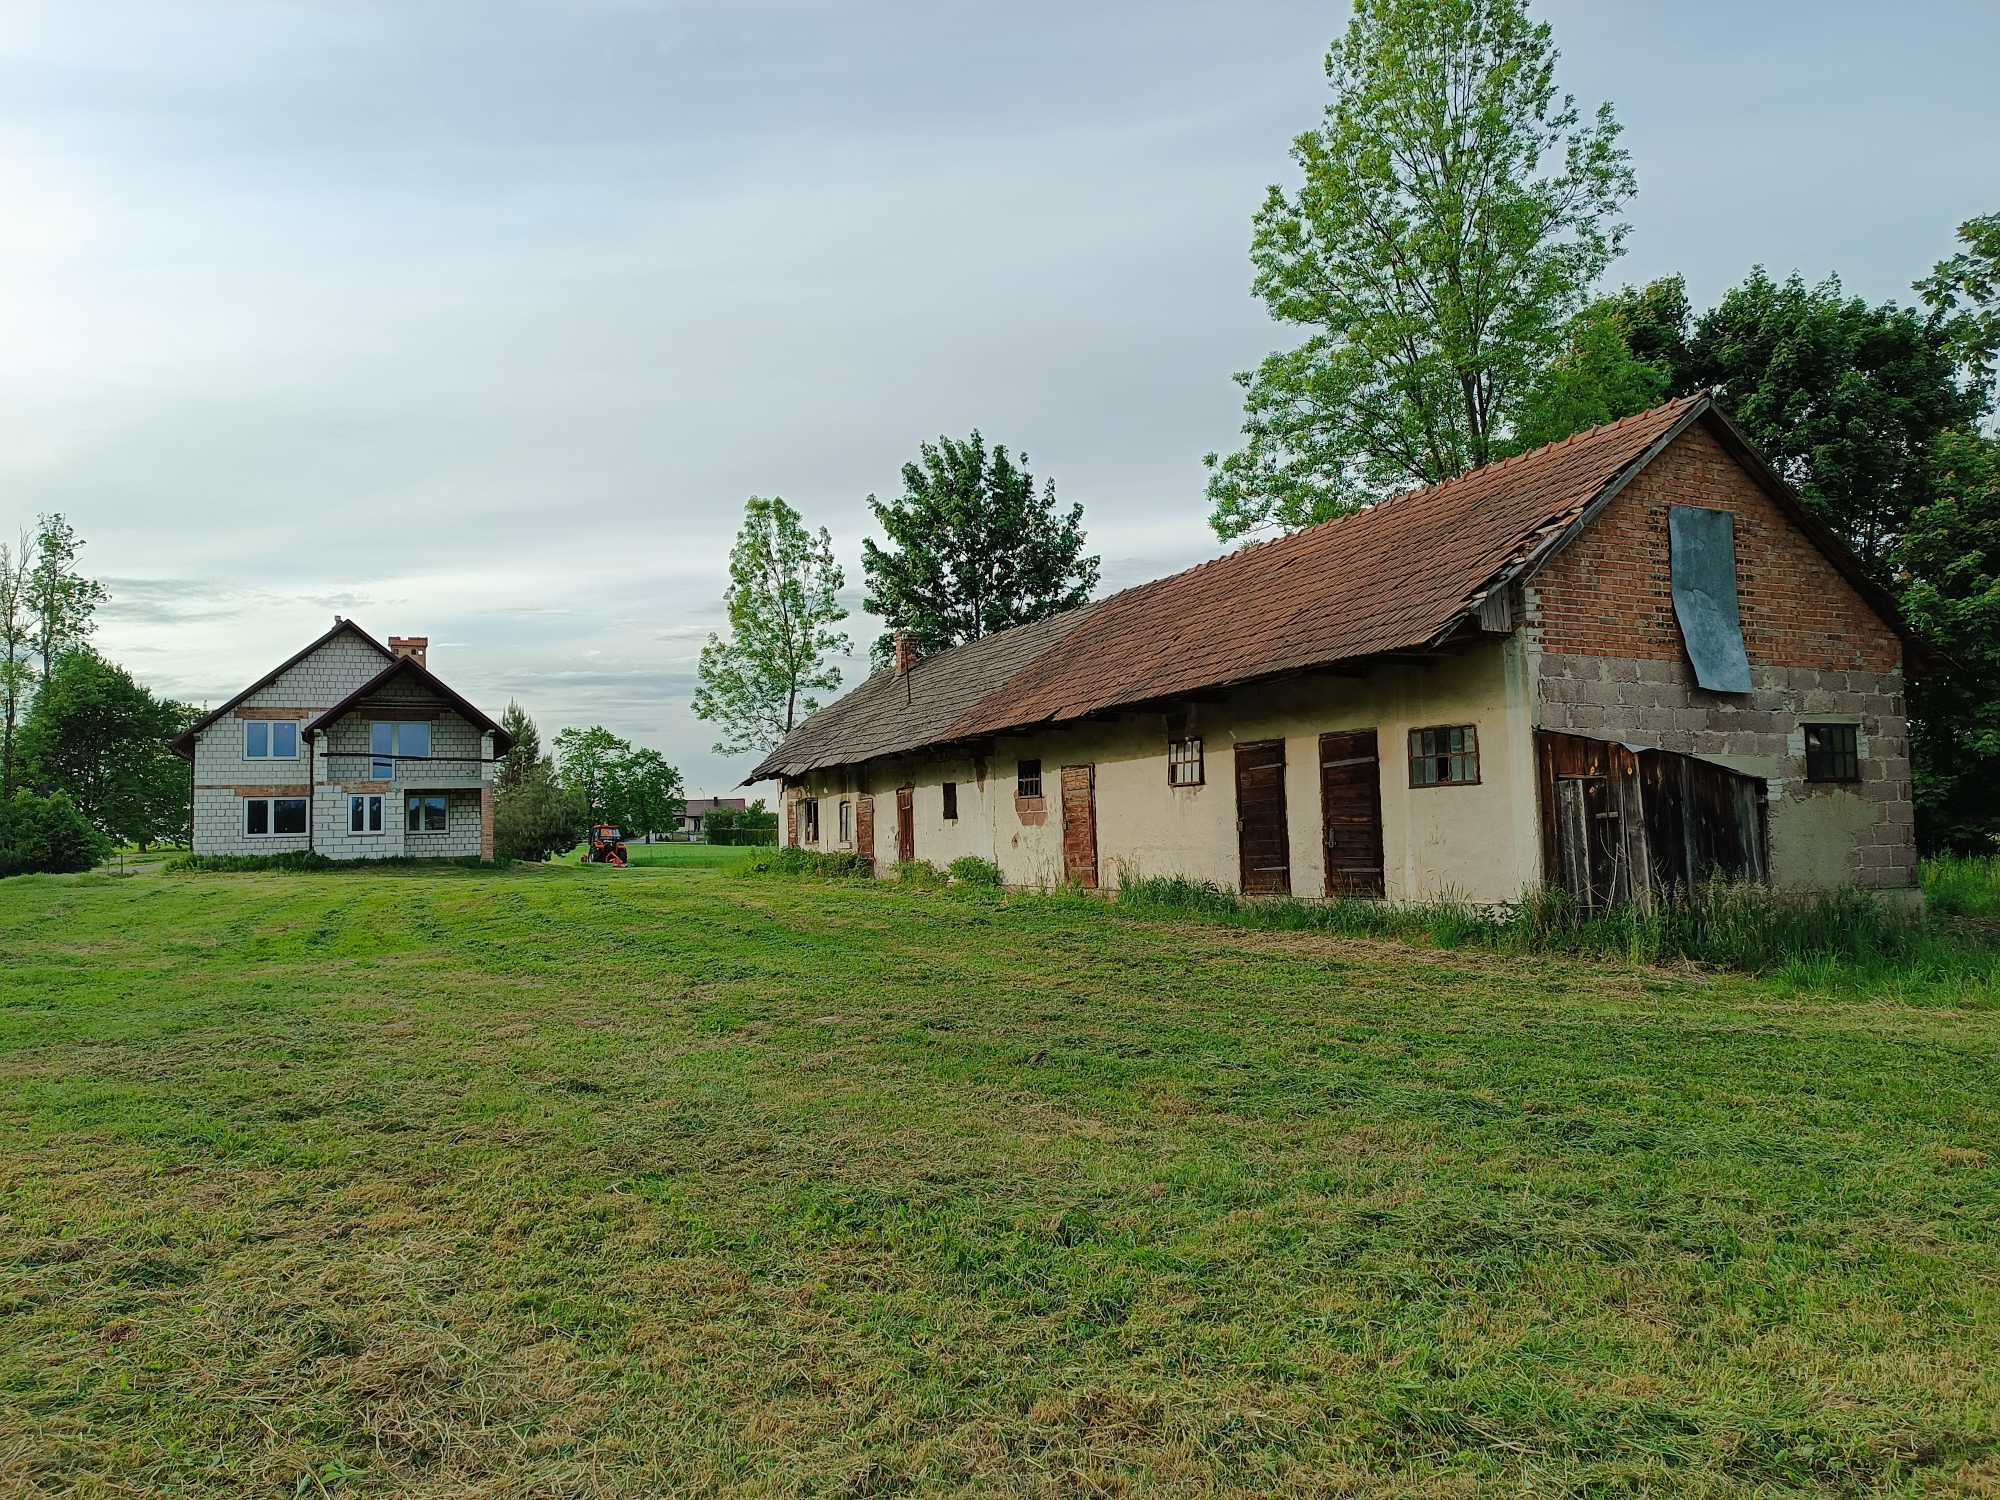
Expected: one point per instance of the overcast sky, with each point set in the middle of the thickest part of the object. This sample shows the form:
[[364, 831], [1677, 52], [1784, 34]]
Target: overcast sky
[[481, 319]]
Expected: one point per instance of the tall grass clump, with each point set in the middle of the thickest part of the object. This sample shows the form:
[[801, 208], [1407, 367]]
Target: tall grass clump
[[970, 869], [1959, 885], [812, 864], [920, 873], [1832, 939]]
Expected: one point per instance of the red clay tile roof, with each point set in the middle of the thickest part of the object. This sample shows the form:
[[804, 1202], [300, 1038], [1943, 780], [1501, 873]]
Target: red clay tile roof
[[1394, 577], [1402, 576]]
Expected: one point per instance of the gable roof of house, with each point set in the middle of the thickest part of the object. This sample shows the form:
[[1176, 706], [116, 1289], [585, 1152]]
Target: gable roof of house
[[1407, 575], [409, 666], [183, 745]]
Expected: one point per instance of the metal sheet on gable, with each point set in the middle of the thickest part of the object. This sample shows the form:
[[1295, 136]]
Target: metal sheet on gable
[[1704, 567]]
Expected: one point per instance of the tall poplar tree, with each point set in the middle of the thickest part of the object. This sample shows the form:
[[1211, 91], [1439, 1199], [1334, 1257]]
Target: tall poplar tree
[[62, 599], [17, 636], [973, 548], [757, 684], [1454, 214]]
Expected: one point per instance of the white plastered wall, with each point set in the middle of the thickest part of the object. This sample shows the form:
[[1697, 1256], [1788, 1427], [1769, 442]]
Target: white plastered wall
[[1479, 842]]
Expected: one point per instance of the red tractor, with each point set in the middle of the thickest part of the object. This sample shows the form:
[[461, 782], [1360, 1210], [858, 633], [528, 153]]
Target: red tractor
[[607, 847]]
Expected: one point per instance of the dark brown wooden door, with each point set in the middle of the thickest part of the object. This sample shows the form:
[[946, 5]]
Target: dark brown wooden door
[[864, 828], [1350, 800], [1263, 843], [906, 824], [1079, 825]]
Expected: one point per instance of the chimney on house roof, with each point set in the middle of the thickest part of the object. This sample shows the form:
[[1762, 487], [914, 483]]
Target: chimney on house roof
[[414, 646], [906, 652]]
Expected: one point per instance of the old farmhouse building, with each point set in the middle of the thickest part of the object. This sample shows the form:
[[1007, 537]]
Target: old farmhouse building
[[1620, 663], [350, 749]]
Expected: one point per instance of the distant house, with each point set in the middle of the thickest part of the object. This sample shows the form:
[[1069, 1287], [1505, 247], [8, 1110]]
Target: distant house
[[350, 749], [697, 809], [1618, 664]]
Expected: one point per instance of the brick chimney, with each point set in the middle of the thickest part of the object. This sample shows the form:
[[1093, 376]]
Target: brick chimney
[[906, 652], [415, 646]]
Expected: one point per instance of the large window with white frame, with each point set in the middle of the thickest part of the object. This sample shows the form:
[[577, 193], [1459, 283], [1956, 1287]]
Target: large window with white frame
[[364, 814], [273, 817], [391, 740], [427, 812], [270, 739]]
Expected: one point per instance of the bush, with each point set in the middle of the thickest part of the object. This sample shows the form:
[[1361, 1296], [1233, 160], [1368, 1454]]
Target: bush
[[920, 873], [47, 836], [970, 869], [1957, 885], [812, 864], [538, 817]]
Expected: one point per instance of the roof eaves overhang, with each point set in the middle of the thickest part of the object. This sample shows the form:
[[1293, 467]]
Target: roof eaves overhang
[[183, 743]]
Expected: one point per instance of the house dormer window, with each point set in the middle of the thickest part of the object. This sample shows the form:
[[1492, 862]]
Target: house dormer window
[[270, 739], [392, 740]]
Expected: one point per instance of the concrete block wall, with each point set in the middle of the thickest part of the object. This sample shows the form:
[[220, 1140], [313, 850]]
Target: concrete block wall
[[223, 779]]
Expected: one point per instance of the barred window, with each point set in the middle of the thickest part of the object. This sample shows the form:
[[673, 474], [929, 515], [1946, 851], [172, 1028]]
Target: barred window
[[1028, 779], [1833, 752], [951, 802], [1184, 764], [1445, 756]]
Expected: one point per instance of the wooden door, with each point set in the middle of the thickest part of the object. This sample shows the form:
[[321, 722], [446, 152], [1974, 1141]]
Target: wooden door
[[1263, 842], [906, 824], [1350, 800], [1079, 826], [864, 828]]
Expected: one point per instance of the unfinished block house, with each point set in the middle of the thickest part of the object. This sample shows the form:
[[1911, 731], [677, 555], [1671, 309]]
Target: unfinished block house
[[350, 749], [1619, 664]]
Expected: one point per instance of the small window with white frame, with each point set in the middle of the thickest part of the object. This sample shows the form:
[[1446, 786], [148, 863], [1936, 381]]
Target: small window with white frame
[[812, 820], [1184, 763], [427, 812], [846, 824], [364, 814], [270, 739], [393, 740], [274, 817]]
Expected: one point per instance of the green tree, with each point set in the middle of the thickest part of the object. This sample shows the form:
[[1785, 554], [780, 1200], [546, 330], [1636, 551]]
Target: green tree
[[1847, 401], [101, 739], [17, 634], [643, 792], [1454, 213], [63, 601], [1951, 556], [538, 816], [526, 753], [1597, 379], [1963, 294], [973, 548], [755, 824], [784, 602], [587, 761]]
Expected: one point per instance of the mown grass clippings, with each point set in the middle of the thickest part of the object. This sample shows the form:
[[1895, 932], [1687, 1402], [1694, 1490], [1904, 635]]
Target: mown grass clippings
[[588, 1182]]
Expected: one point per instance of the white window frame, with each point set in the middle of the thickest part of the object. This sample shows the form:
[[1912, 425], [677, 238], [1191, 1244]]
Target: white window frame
[[811, 829], [396, 755], [361, 802], [270, 805], [846, 823], [270, 728], [412, 802]]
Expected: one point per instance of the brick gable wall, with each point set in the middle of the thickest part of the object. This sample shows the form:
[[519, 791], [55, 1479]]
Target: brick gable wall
[[1610, 592], [1607, 661]]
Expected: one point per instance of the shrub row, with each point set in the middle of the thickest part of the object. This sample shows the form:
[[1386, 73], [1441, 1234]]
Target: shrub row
[[304, 860]]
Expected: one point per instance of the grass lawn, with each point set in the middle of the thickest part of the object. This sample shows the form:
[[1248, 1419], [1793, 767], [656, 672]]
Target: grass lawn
[[682, 856], [573, 1181]]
